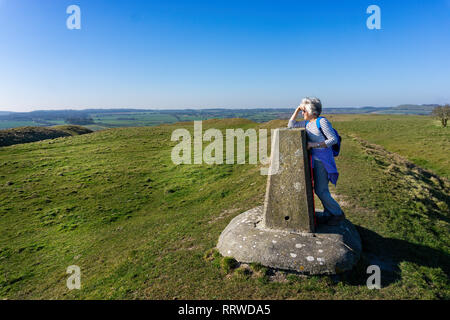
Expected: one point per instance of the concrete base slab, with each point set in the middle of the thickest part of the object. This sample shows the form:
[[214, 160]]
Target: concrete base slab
[[330, 250]]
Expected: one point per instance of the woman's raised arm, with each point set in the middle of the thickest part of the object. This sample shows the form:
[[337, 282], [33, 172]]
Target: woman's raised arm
[[292, 123]]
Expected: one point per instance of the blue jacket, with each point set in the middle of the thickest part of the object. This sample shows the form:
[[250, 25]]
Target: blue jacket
[[326, 156], [323, 154]]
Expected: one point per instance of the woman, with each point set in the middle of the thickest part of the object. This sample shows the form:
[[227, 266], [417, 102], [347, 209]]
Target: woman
[[324, 166]]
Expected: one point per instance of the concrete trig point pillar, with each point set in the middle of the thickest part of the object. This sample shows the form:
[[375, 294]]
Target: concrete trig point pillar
[[281, 233], [289, 197]]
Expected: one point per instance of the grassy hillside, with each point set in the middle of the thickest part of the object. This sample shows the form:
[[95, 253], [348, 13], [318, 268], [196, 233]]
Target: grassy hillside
[[113, 203], [421, 139], [32, 134]]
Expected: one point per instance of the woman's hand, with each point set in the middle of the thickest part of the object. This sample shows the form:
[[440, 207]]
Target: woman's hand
[[294, 115], [300, 109], [316, 145]]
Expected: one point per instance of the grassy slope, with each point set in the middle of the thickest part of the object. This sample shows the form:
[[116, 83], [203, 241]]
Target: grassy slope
[[113, 203], [419, 138]]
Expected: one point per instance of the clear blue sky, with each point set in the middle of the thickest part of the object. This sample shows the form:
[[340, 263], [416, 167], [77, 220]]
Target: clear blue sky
[[231, 54]]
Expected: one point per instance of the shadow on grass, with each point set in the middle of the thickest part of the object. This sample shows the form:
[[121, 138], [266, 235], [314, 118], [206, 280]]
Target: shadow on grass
[[388, 253]]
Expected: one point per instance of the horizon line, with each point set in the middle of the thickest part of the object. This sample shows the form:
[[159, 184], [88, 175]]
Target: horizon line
[[211, 108]]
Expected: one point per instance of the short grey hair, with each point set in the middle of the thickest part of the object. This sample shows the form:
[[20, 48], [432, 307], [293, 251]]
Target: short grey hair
[[312, 105]]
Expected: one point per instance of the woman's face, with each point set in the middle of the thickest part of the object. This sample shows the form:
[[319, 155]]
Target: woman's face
[[307, 116]]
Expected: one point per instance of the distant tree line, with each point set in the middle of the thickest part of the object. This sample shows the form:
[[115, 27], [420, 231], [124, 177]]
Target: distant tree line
[[442, 113]]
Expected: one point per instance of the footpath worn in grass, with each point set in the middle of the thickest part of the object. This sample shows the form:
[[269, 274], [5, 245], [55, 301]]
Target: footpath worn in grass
[[421, 139], [113, 203]]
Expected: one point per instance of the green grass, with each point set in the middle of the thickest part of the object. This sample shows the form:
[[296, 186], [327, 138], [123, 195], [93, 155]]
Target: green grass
[[421, 139], [113, 203]]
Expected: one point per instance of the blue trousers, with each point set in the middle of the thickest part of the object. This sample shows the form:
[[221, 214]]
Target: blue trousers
[[321, 189]]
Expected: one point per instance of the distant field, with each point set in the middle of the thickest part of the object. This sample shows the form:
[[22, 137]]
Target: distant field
[[139, 226], [10, 124], [132, 119], [113, 118], [7, 124], [140, 119]]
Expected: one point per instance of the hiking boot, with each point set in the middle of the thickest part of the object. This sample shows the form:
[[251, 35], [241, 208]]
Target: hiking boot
[[335, 220]]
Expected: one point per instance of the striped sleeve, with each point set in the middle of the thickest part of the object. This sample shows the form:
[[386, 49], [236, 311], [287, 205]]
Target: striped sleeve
[[296, 124], [328, 131]]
